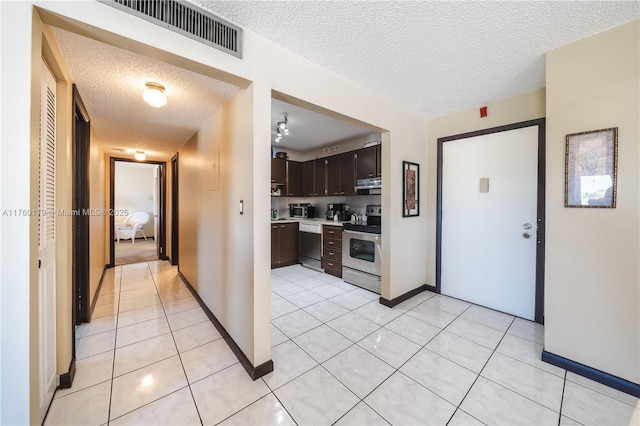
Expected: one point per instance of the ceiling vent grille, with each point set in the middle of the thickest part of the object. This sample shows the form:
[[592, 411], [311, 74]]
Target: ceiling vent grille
[[188, 20]]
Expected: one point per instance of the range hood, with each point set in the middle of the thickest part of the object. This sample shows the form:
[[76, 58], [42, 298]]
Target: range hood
[[369, 183]]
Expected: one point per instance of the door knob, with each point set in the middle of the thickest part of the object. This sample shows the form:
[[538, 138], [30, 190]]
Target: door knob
[[526, 235]]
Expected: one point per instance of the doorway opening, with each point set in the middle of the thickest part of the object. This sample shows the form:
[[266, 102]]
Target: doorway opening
[[80, 243], [174, 210], [137, 200]]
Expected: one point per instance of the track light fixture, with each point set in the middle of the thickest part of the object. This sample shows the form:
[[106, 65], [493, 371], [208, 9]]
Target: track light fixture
[[281, 129]]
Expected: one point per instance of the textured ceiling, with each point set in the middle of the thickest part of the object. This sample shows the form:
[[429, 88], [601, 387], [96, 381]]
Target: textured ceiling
[[309, 130], [433, 57], [111, 80]]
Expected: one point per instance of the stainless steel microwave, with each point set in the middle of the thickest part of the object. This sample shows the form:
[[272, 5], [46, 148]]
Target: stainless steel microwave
[[302, 211]]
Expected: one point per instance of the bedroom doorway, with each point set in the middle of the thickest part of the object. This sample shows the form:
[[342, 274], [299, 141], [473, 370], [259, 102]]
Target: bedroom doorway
[[137, 200]]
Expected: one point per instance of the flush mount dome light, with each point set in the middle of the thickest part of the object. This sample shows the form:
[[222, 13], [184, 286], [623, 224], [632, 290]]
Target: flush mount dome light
[[140, 156], [154, 95]]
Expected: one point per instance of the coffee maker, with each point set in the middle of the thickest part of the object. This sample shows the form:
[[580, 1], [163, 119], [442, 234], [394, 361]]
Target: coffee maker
[[341, 210], [333, 209]]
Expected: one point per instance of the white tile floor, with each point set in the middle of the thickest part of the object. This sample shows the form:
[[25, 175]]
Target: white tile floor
[[151, 356]]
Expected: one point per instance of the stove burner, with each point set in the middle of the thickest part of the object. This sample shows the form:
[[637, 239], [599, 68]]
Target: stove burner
[[370, 229]]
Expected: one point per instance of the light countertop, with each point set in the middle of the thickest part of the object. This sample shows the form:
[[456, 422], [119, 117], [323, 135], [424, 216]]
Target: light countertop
[[314, 221]]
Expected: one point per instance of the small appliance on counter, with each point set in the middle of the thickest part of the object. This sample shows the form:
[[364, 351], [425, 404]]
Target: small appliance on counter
[[302, 210], [339, 210]]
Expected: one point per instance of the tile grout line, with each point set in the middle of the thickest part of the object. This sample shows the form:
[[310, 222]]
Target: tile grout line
[[409, 359], [171, 393], [115, 339], [506, 388], [397, 370], [178, 352], [479, 372], [564, 385], [350, 346]]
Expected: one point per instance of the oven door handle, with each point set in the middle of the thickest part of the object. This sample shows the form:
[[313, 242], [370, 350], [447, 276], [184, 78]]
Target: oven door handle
[[376, 236]]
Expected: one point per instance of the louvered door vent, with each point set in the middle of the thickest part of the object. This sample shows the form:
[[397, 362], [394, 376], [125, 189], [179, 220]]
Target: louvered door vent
[[188, 20]]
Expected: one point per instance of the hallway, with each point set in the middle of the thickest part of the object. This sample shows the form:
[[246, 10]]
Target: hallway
[[151, 356]]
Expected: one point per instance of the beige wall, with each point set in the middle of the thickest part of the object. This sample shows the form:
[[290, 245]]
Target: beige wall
[[592, 276], [523, 107], [97, 202], [26, 42], [216, 242]]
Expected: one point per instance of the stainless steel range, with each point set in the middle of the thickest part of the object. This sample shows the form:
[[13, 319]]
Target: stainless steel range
[[361, 251]]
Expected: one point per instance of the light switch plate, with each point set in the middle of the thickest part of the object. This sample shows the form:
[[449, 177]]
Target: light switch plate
[[484, 185]]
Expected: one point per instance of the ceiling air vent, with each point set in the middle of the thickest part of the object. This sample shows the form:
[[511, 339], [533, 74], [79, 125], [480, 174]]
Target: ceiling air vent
[[188, 20]]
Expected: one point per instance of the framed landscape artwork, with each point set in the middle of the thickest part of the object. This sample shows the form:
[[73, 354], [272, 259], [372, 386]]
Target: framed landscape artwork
[[591, 168], [410, 189]]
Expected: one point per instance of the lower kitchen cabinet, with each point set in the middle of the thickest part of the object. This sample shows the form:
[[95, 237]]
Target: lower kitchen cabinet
[[332, 250], [284, 244]]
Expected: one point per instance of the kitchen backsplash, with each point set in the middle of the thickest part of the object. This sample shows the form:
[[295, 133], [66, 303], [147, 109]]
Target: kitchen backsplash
[[357, 204]]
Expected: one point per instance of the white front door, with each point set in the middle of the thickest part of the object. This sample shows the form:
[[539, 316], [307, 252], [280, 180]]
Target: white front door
[[489, 199], [47, 241]]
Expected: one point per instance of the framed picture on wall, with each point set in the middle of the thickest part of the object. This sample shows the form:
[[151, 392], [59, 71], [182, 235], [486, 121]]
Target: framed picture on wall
[[591, 169], [410, 189]]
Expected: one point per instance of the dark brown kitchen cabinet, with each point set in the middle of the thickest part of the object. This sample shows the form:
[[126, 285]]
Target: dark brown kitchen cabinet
[[332, 250], [319, 177], [341, 174], [333, 175], [379, 160], [275, 245], [347, 173], [284, 244], [314, 178], [307, 179], [278, 171], [294, 179], [366, 162]]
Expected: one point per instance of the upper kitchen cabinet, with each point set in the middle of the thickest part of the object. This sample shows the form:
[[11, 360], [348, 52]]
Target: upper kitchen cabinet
[[294, 179], [278, 171], [368, 163], [379, 160], [320, 177], [347, 173], [307, 179], [333, 175], [314, 178], [341, 174]]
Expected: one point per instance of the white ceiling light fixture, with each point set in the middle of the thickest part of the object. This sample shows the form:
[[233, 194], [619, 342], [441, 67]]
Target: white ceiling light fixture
[[281, 129], [140, 156], [154, 95]]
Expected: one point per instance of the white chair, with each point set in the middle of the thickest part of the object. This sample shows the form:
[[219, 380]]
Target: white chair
[[131, 226]]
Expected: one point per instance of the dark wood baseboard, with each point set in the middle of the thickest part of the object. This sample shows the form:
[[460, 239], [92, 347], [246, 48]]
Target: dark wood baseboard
[[255, 372], [95, 296], [591, 373], [408, 295], [66, 379]]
